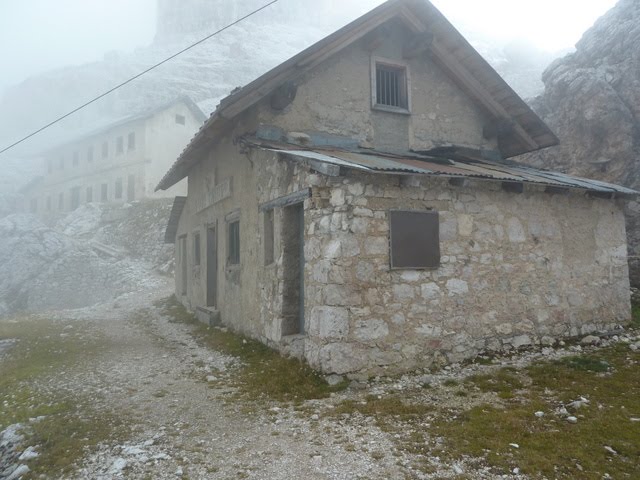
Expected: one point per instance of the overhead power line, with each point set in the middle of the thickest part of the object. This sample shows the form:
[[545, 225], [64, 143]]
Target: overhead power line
[[136, 76]]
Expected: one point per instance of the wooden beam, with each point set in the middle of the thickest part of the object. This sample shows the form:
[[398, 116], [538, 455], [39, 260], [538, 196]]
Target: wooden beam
[[287, 200], [417, 45], [478, 91]]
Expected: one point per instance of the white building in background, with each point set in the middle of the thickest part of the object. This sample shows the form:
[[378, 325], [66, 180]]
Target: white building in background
[[120, 162]]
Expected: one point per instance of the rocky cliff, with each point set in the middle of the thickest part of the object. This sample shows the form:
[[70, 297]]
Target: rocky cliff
[[592, 102]]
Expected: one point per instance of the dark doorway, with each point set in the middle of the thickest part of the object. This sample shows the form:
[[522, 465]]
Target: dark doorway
[[212, 267], [183, 263], [293, 266]]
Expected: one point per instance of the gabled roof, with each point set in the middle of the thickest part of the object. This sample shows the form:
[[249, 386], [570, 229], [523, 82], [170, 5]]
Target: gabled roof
[[110, 124], [523, 131]]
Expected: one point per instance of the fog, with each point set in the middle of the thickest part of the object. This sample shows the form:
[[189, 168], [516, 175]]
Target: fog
[[39, 35], [369, 230]]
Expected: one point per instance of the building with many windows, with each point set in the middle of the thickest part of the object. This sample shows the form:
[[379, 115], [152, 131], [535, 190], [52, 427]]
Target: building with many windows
[[119, 162]]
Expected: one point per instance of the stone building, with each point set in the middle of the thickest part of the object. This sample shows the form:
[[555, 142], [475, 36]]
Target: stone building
[[121, 161], [355, 207]]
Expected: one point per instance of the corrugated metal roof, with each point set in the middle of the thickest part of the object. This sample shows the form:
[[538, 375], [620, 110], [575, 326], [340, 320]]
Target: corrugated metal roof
[[379, 162]]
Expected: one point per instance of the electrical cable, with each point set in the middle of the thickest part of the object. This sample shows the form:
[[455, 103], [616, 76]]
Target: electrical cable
[[136, 77]]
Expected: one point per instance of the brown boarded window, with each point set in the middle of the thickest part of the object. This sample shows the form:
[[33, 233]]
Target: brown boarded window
[[415, 239]]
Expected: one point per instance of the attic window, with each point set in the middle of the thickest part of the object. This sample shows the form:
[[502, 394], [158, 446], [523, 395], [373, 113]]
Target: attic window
[[181, 119], [390, 86]]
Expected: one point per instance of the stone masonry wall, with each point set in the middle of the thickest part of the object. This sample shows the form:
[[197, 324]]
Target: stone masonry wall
[[517, 269]]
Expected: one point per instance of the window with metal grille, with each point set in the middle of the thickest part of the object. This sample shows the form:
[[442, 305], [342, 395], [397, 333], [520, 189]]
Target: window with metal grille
[[234, 243], [391, 86], [415, 239]]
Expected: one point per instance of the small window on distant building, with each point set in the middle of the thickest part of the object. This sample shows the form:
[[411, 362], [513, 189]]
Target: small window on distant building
[[75, 198], [61, 201], [268, 238], [415, 239], [49, 166], [89, 194], [118, 189], [105, 149], [196, 249], [181, 119], [34, 205], [90, 154], [76, 159], [131, 188], [48, 203], [119, 145], [61, 163], [233, 246], [104, 190], [391, 88], [131, 141]]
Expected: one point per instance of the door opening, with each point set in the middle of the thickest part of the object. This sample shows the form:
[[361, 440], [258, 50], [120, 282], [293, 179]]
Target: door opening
[[293, 266], [212, 267], [183, 263]]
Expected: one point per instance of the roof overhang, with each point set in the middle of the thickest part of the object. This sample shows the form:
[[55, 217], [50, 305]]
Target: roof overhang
[[520, 129], [331, 161]]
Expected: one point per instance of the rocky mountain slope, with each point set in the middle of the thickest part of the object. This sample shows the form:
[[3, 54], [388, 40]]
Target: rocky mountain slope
[[93, 255], [592, 102]]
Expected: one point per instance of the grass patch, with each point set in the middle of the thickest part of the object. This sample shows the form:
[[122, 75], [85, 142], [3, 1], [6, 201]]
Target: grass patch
[[69, 425], [550, 446], [635, 315], [264, 374]]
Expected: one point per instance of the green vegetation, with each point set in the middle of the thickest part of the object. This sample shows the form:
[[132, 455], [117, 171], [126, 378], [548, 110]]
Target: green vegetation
[[635, 315], [550, 446], [68, 423], [264, 374]]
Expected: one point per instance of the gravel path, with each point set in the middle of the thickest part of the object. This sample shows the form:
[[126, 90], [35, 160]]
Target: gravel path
[[185, 429], [182, 426]]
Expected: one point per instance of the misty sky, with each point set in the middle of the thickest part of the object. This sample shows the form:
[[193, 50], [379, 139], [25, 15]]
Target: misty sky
[[38, 35]]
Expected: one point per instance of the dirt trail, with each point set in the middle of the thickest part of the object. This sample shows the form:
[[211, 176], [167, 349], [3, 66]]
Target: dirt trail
[[157, 373]]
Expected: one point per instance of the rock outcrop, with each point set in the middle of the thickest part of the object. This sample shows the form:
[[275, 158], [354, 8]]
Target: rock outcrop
[[92, 255], [592, 102]]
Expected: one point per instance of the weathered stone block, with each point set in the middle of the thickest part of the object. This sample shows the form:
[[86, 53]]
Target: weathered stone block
[[430, 291], [515, 231], [370, 329], [403, 292], [377, 246], [457, 287], [329, 322]]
